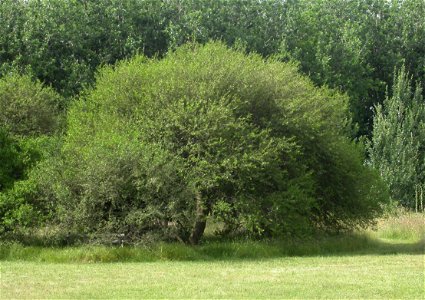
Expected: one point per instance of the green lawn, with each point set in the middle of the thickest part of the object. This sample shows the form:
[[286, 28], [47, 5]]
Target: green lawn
[[387, 263], [357, 276]]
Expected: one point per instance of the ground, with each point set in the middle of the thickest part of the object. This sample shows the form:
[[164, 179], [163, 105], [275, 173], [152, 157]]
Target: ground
[[388, 263], [359, 276]]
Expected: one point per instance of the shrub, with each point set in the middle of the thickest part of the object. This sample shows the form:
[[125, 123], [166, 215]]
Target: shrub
[[159, 145], [29, 116], [11, 167], [24, 199], [28, 108]]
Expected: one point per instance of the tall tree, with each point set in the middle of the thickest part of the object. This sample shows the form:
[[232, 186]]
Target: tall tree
[[398, 142]]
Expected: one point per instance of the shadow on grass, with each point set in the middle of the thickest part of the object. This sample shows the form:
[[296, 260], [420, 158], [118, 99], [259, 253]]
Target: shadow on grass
[[210, 250]]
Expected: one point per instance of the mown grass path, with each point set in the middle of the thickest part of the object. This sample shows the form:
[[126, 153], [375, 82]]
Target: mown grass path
[[355, 276]]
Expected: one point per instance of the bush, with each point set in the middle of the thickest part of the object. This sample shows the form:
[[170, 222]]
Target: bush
[[11, 167], [159, 145], [29, 116], [28, 108], [24, 199]]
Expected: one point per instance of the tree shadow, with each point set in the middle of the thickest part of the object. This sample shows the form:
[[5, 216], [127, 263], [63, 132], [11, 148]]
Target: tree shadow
[[215, 250], [340, 245]]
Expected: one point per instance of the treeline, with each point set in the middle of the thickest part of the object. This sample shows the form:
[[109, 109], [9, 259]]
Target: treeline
[[350, 45], [123, 117]]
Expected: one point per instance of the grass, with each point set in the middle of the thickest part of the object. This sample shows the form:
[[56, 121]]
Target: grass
[[369, 276], [404, 226], [385, 263], [212, 251]]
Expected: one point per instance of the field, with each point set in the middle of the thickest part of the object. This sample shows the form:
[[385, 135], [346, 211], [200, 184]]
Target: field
[[388, 263], [369, 276]]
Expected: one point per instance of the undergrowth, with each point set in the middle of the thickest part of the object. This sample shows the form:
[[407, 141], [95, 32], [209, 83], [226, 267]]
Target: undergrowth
[[236, 250], [403, 233], [401, 226]]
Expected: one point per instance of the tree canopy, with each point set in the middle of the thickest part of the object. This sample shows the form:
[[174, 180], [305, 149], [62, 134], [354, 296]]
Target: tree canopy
[[349, 45]]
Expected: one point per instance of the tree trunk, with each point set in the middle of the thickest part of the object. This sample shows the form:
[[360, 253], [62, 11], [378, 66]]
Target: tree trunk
[[200, 221]]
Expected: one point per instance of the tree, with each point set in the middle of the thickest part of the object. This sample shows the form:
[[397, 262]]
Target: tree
[[397, 147], [159, 145], [62, 43], [254, 24], [349, 45], [354, 46]]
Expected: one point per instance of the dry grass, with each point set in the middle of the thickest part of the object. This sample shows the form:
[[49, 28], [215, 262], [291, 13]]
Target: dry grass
[[402, 226]]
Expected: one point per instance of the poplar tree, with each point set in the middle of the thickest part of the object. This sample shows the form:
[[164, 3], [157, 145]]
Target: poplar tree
[[398, 142]]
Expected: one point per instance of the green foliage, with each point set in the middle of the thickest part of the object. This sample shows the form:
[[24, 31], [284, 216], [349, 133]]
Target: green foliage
[[159, 145], [254, 24], [28, 108], [28, 111], [62, 43], [329, 40], [11, 167], [29, 116], [345, 44], [23, 201], [355, 46], [397, 148], [15, 211]]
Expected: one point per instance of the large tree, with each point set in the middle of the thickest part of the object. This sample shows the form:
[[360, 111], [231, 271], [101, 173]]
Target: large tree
[[158, 146]]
